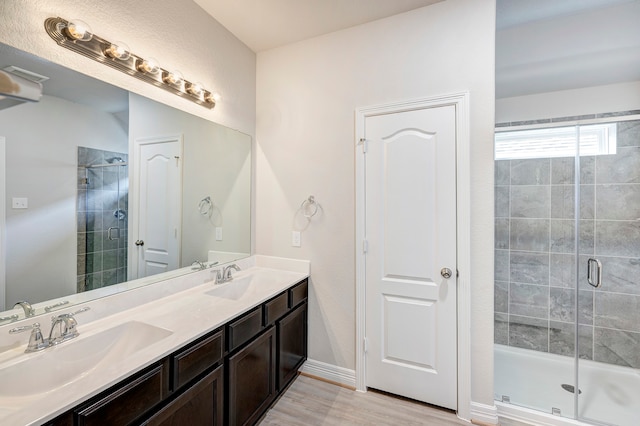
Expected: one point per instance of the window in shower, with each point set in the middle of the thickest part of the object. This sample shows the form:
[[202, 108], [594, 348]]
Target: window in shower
[[102, 214], [595, 139], [549, 221]]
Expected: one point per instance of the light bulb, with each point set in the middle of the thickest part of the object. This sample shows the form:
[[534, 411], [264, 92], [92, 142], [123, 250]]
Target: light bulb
[[79, 30], [195, 89], [174, 77], [118, 50], [212, 98], [149, 66]]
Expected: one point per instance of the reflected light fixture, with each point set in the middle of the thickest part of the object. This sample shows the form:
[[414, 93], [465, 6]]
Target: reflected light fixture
[[77, 36]]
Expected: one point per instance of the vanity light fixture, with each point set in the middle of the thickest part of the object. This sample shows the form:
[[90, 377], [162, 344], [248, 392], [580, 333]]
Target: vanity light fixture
[[77, 36]]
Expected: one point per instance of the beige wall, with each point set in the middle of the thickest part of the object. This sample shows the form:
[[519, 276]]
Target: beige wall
[[307, 94]]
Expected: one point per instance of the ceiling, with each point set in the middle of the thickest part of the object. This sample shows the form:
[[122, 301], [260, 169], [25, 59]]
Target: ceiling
[[266, 24]]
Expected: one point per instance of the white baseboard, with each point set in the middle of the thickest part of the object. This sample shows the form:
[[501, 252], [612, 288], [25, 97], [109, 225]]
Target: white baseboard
[[333, 373], [484, 413]]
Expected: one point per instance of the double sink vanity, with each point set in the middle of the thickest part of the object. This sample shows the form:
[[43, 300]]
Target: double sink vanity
[[184, 351]]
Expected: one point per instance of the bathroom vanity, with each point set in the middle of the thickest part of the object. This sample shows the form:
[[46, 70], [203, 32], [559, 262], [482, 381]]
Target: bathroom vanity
[[210, 354]]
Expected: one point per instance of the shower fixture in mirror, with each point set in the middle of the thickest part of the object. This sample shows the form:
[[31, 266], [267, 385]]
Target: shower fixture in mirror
[[72, 178], [76, 35]]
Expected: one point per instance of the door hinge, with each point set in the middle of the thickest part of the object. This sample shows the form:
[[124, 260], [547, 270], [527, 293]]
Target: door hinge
[[364, 144], [366, 345], [365, 246]]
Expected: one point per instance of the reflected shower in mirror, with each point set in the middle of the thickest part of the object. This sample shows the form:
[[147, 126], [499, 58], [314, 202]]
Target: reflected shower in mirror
[[72, 179]]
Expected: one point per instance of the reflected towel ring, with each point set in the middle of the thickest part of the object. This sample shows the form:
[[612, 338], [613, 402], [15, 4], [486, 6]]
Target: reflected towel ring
[[309, 207], [205, 206]]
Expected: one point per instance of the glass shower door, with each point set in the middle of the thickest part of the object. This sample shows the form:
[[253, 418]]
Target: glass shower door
[[608, 302]]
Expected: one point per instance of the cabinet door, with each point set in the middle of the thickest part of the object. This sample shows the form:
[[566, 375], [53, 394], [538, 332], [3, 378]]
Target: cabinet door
[[292, 344], [201, 404], [252, 379], [128, 402]]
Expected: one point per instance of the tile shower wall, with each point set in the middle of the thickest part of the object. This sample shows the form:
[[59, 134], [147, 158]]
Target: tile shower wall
[[102, 203], [535, 253]]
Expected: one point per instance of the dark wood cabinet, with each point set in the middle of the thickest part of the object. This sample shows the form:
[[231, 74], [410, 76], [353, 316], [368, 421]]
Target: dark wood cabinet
[[129, 402], [252, 379], [230, 375], [201, 404], [292, 345]]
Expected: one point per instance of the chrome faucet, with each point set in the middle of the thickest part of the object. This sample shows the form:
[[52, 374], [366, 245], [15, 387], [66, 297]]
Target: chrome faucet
[[28, 309], [63, 328], [225, 275]]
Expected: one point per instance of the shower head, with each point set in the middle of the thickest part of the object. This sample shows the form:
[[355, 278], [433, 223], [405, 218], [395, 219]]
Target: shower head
[[115, 160]]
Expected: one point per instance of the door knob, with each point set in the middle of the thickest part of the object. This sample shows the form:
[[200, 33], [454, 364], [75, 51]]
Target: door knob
[[446, 273], [139, 243]]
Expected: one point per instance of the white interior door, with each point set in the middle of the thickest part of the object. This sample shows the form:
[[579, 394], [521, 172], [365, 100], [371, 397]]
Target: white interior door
[[410, 197], [159, 164]]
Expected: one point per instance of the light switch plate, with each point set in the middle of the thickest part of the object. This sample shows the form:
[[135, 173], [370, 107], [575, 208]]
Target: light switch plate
[[218, 233], [19, 203], [295, 239]]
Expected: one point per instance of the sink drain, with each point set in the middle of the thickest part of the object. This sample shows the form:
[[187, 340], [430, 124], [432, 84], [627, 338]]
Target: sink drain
[[570, 388]]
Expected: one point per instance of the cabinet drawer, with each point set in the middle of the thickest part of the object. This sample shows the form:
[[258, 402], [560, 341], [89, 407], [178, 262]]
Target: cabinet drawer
[[127, 403], [189, 363], [298, 293], [276, 308], [243, 329]]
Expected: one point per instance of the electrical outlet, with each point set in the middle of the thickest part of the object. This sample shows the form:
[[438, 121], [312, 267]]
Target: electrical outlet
[[19, 203], [295, 239], [218, 233]]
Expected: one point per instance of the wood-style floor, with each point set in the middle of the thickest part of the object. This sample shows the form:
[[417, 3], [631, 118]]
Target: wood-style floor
[[311, 402]]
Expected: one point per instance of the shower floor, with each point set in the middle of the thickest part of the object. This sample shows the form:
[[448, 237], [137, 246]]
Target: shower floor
[[534, 380]]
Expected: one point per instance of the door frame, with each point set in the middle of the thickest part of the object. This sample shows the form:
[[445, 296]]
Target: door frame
[[133, 255], [463, 235], [3, 223]]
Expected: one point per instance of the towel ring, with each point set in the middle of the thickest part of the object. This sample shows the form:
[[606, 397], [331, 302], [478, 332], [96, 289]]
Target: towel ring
[[309, 203], [205, 206]]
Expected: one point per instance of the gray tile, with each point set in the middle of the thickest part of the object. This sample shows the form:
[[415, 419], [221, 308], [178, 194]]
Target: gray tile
[[92, 264], [122, 275], [502, 201], [529, 333], [89, 242], [530, 201], [628, 133], [562, 270], [529, 300], [618, 238], [530, 171], [562, 339], [620, 274], [529, 234], [562, 304], [502, 233], [93, 281], [563, 170], [563, 201], [622, 167], [562, 236], [81, 284], [501, 265], [618, 202], [615, 310], [501, 329], [587, 170], [502, 172], [585, 306], [529, 268], [501, 296], [93, 200], [110, 277], [587, 201], [95, 179], [110, 259], [110, 201], [618, 113], [617, 347], [573, 118]]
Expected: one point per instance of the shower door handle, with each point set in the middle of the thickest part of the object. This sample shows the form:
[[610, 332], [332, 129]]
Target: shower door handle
[[110, 233], [594, 272]]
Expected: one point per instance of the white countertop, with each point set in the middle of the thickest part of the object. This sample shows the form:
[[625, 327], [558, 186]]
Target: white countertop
[[187, 314]]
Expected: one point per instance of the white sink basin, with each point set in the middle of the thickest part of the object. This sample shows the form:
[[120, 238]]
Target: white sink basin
[[232, 290], [61, 365]]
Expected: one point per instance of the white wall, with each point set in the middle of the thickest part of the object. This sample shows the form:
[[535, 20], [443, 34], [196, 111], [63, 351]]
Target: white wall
[[307, 94], [568, 103], [41, 164], [216, 163], [179, 34]]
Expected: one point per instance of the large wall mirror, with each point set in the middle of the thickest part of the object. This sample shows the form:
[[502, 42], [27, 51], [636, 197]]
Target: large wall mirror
[[105, 189]]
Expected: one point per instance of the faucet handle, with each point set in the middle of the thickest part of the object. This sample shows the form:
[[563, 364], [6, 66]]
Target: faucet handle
[[67, 329], [36, 341]]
